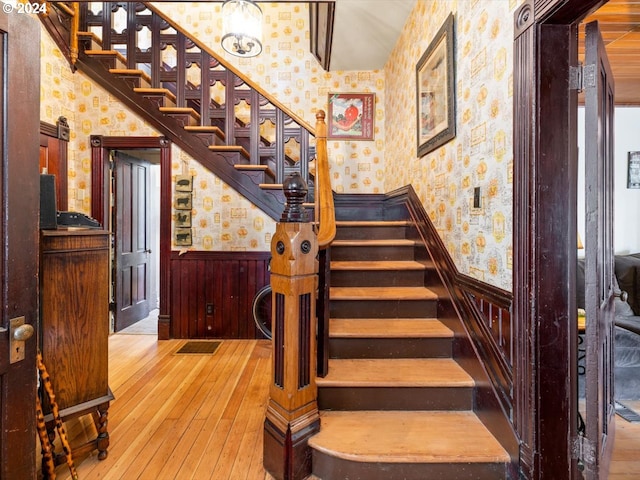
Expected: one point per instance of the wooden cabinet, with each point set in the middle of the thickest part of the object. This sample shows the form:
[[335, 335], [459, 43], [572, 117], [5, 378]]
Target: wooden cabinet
[[74, 325]]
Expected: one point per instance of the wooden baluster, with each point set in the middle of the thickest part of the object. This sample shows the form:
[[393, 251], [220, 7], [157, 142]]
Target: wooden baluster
[[292, 414], [73, 40]]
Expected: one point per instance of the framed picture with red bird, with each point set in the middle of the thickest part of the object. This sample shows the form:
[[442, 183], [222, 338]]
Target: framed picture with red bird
[[351, 116]]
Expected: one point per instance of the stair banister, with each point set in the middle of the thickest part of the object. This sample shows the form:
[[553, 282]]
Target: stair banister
[[325, 210], [326, 218]]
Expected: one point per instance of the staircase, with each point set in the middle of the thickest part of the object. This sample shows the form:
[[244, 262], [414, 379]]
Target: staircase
[[188, 94], [395, 404]]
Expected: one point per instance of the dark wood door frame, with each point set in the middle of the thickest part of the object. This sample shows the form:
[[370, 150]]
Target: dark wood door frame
[[19, 189], [100, 191], [60, 135], [545, 234]]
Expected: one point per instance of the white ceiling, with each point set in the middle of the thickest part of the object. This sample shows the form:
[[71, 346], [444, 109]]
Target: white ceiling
[[365, 32]]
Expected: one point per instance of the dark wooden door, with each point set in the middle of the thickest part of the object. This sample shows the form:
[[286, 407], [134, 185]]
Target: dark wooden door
[[19, 189], [599, 271], [133, 246]]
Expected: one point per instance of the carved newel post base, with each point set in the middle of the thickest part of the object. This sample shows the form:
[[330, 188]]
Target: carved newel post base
[[292, 414]]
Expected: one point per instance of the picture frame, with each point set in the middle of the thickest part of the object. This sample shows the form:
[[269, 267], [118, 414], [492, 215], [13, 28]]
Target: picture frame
[[183, 218], [633, 170], [182, 201], [351, 116], [183, 237], [435, 91], [184, 183]]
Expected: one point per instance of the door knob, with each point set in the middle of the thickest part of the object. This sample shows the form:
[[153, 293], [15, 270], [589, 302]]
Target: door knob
[[23, 332], [622, 295], [19, 332]]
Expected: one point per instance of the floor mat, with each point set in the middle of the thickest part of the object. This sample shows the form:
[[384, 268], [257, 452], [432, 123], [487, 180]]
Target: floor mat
[[198, 348], [626, 413]]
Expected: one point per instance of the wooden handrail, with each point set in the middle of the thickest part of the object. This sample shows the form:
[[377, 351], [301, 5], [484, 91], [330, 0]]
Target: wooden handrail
[[325, 210]]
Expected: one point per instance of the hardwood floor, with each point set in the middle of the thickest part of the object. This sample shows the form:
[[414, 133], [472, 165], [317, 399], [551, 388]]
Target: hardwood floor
[[625, 464], [181, 416], [200, 416]]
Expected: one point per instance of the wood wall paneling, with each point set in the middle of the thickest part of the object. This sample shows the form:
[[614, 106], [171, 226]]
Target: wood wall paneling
[[226, 281]]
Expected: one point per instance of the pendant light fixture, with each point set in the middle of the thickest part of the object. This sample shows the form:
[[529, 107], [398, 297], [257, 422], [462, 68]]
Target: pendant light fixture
[[242, 28]]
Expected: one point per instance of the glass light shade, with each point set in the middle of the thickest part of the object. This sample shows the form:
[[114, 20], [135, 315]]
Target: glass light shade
[[242, 28]]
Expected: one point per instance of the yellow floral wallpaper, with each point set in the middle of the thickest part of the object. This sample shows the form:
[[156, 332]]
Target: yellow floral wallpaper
[[478, 239]]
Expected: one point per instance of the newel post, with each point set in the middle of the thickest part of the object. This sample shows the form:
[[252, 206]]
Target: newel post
[[292, 414]]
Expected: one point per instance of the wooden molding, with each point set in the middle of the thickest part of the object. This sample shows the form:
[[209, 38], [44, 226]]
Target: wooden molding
[[100, 202], [543, 245]]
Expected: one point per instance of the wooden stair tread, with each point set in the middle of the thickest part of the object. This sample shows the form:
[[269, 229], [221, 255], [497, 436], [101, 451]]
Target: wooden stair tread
[[378, 265], [381, 293], [91, 36], [271, 186], [229, 148], [372, 223], [258, 168], [132, 72], [407, 437], [395, 372], [374, 243], [155, 91], [203, 129], [386, 328], [106, 53]]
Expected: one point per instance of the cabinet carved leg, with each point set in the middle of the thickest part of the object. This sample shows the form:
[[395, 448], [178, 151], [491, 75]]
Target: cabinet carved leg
[[101, 421]]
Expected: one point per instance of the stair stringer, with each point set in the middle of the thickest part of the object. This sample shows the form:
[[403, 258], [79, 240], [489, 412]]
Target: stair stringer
[[219, 163], [473, 347]]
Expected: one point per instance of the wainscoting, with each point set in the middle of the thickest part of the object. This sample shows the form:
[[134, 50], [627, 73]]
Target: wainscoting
[[211, 293]]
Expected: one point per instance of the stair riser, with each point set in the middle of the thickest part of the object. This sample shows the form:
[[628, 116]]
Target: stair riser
[[160, 101], [184, 119], [374, 254], [394, 398], [133, 81], [257, 176], [370, 233], [209, 139], [377, 278], [390, 348], [383, 308], [332, 468]]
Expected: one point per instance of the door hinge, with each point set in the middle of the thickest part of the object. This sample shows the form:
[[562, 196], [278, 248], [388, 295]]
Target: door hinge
[[581, 77], [583, 450]]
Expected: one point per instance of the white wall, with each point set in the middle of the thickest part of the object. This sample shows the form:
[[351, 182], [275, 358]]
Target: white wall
[[626, 232]]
